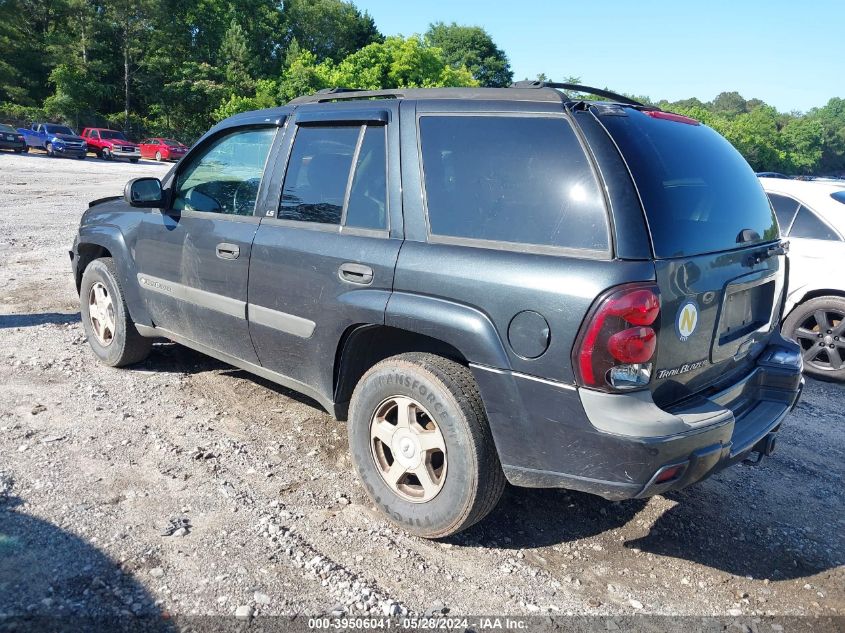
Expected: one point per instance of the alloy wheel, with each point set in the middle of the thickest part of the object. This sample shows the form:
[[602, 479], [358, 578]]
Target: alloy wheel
[[821, 336], [101, 313], [408, 449]]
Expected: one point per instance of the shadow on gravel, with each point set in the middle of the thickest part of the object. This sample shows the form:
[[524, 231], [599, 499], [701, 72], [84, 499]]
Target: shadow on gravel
[[50, 580], [703, 528], [534, 517], [171, 357], [41, 318]]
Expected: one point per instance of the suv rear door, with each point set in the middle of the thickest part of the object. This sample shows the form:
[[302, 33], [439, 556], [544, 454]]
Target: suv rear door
[[324, 256], [713, 233], [193, 257]]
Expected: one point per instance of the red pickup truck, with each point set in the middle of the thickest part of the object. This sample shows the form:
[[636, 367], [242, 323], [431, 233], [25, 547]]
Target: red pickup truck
[[110, 144]]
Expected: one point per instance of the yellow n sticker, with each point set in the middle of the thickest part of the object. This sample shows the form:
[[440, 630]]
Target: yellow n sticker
[[687, 320]]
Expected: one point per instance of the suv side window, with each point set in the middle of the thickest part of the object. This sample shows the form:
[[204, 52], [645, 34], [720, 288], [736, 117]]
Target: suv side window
[[317, 184], [514, 179], [367, 206], [225, 177], [318, 170], [808, 225], [785, 209]]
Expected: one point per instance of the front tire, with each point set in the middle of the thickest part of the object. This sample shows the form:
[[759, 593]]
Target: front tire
[[105, 318], [421, 444], [105, 154], [818, 326], [133, 160], [50, 151]]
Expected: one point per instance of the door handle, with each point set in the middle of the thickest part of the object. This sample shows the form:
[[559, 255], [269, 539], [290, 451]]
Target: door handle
[[228, 251], [356, 273]]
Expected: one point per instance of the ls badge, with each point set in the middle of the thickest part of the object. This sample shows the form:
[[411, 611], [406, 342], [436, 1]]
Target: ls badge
[[686, 320]]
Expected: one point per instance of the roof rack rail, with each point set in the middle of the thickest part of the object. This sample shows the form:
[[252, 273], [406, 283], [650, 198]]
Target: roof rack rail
[[578, 87], [337, 94]]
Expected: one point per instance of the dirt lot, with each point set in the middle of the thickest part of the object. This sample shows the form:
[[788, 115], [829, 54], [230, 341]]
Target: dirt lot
[[95, 462]]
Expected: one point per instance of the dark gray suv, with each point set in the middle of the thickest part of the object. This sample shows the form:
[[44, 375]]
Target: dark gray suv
[[490, 285]]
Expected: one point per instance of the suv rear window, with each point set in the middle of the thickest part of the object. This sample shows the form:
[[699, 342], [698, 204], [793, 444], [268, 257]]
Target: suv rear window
[[698, 192], [511, 179]]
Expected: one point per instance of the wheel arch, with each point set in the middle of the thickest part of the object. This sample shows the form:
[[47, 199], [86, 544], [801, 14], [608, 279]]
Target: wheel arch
[[364, 345], [816, 293], [105, 240]]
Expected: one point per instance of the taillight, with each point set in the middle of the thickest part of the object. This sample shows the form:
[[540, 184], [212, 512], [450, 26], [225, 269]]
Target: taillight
[[617, 342]]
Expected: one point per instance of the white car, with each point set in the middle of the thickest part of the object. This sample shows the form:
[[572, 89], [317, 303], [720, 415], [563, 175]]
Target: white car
[[811, 215]]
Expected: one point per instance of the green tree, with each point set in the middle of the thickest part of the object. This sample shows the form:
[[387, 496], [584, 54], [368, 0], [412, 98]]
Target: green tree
[[77, 92], [803, 139], [396, 63], [235, 54], [729, 104], [471, 47], [331, 29], [266, 96]]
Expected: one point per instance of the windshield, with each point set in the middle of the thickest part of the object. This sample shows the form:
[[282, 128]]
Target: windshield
[[59, 129], [112, 134], [699, 194], [6, 128]]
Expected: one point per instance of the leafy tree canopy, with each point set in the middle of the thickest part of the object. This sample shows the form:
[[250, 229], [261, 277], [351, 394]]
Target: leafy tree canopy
[[473, 48]]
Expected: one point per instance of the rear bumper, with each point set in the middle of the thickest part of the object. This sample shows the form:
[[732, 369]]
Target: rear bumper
[[622, 446], [15, 145]]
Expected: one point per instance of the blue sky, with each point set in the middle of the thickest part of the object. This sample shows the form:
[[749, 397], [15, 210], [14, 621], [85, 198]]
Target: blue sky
[[790, 54]]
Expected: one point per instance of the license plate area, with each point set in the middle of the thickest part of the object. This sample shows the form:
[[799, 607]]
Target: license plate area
[[745, 316], [746, 310]]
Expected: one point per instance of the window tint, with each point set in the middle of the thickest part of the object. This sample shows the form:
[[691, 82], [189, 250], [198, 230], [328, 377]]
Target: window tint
[[808, 225], [839, 196], [367, 207], [785, 209], [511, 179], [58, 129], [317, 175], [698, 192], [225, 177]]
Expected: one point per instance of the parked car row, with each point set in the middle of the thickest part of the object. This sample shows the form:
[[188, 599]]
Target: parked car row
[[60, 140]]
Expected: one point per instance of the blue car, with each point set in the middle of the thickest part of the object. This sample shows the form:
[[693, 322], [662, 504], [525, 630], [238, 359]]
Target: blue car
[[56, 140]]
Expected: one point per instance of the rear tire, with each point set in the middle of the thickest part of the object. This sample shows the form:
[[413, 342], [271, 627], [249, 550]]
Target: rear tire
[[133, 160], [158, 156], [818, 326], [465, 480], [119, 343]]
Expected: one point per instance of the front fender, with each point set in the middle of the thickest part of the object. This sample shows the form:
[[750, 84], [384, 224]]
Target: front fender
[[110, 237], [466, 329]]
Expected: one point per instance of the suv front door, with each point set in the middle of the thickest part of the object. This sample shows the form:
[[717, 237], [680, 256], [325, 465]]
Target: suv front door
[[193, 257], [324, 256]]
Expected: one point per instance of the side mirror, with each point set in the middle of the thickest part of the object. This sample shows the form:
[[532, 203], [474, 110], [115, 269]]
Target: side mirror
[[144, 192]]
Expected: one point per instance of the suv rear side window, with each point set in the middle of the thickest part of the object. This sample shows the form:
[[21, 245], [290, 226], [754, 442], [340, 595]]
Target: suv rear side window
[[698, 192], [513, 179], [809, 226], [785, 209]]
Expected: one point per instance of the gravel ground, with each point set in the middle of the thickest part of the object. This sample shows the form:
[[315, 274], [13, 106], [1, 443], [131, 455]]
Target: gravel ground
[[98, 464]]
